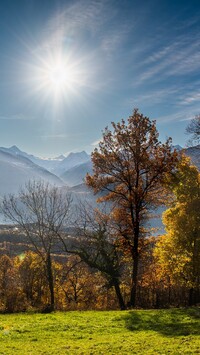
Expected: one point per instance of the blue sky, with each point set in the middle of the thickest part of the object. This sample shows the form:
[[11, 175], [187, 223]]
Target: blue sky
[[114, 56]]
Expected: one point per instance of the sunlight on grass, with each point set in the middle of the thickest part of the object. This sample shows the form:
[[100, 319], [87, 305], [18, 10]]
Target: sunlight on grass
[[129, 332]]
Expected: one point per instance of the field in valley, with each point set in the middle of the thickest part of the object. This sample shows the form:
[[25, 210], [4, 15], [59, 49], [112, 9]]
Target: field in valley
[[173, 331]]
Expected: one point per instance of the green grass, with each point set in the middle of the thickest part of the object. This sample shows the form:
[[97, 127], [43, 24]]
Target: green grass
[[174, 331]]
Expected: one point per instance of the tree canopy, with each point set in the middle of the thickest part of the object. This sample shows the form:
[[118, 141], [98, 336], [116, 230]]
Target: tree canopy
[[179, 249], [129, 168]]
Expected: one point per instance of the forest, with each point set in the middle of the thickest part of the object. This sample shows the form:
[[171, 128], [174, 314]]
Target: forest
[[109, 256]]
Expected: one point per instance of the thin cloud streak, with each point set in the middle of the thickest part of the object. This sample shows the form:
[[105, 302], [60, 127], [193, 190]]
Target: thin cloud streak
[[179, 58], [95, 143], [54, 136], [178, 116], [19, 116]]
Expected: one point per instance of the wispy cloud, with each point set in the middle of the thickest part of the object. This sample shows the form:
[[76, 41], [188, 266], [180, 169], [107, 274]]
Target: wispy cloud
[[19, 116], [154, 96], [95, 143], [191, 99], [72, 136], [177, 58], [95, 19], [54, 136], [72, 19], [114, 39], [181, 115]]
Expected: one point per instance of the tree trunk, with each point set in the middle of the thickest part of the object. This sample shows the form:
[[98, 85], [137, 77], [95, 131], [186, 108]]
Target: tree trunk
[[191, 297], [50, 281], [135, 256], [134, 281], [119, 295]]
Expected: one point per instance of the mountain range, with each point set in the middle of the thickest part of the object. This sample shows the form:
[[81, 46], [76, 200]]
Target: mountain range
[[18, 167]]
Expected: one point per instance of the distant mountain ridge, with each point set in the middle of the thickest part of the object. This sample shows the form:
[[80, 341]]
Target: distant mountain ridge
[[17, 170], [16, 167], [71, 161], [76, 175], [48, 164], [55, 165], [194, 154]]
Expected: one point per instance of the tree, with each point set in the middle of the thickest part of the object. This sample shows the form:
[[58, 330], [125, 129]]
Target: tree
[[93, 243], [129, 167], [193, 129], [32, 278], [82, 286], [41, 211], [178, 251]]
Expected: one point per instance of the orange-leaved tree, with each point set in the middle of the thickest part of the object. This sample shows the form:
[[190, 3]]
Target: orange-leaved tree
[[129, 167]]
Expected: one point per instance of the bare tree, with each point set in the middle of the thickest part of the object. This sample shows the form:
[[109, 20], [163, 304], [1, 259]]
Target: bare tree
[[42, 211], [193, 129], [94, 242]]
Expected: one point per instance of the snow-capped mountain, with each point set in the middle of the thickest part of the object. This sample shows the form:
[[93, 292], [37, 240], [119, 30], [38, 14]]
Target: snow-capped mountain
[[56, 165], [17, 167], [16, 170], [72, 160], [48, 163]]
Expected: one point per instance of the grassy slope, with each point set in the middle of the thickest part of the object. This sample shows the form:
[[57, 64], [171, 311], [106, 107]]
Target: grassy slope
[[130, 332]]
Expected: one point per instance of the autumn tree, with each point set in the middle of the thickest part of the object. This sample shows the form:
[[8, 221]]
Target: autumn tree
[[93, 243], [41, 211], [11, 295], [80, 285], [178, 251], [193, 129], [31, 273], [129, 167]]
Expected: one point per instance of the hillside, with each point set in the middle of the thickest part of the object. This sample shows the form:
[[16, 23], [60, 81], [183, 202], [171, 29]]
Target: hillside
[[141, 332], [76, 175]]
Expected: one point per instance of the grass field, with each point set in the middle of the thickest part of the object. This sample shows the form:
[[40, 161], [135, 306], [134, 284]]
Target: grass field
[[174, 331]]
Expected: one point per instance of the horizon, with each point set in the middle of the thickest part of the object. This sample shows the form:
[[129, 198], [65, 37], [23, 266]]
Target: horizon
[[69, 69], [67, 154]]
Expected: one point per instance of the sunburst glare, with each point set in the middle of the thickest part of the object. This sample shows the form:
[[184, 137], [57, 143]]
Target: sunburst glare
[[57, 75]]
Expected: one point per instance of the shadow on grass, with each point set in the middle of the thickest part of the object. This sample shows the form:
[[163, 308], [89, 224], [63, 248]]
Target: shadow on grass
[[172, 322]]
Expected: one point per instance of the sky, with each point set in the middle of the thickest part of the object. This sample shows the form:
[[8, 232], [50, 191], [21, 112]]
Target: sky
[[69, 68]]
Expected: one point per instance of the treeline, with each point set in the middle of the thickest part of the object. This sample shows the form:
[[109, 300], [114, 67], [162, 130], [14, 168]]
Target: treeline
[[24, 286], [113, 258]]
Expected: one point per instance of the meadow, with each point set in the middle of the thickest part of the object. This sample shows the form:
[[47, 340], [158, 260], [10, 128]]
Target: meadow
[[172, 331]]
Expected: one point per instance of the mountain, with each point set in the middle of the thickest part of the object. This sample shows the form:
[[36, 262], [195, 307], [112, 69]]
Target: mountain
[[178, 147], [72, 160], [16, 170], [48, 163], [76, 175], [56, 165], [194, 154], [18, 167]]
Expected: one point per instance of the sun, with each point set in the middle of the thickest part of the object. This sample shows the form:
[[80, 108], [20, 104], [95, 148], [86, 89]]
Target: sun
[[59, 76]]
